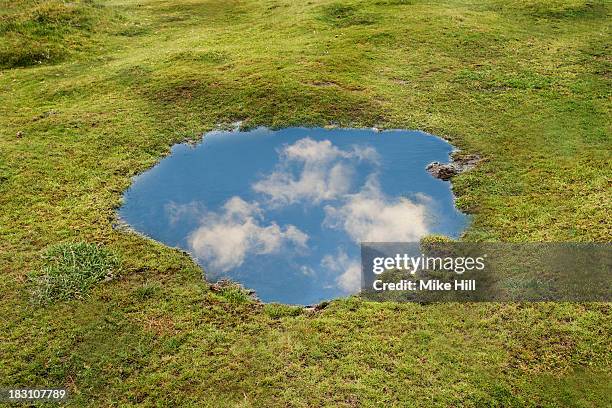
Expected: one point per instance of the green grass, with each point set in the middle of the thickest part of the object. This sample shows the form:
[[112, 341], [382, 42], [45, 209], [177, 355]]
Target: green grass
[[37, 32], [94, 92], [71, 270]]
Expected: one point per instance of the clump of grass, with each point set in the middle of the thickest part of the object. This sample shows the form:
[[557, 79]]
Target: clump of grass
[[147, 291], [235, 295], [70, 271], [232, 292]]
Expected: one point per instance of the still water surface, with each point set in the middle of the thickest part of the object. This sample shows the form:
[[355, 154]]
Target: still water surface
[[283, 212]]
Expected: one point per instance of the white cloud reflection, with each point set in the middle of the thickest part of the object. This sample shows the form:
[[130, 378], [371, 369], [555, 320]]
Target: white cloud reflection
[[347, 269], [181, 212], [225, 239], [326, 172], [370, 216]]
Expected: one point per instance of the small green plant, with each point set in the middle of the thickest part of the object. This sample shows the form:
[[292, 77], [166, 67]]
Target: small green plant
[[147, 291], [231, 291], [70, 271], [235, 295]]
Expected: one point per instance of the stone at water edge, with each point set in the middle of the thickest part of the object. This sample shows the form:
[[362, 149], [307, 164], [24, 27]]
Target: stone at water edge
[[444, 171]]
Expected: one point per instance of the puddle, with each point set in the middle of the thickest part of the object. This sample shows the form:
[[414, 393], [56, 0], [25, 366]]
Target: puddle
[[283, 212]]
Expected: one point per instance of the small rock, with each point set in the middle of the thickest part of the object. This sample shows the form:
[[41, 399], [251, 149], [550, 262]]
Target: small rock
[[317, 307], [20, 134], [442, 171], [458, 164], [220, 285]]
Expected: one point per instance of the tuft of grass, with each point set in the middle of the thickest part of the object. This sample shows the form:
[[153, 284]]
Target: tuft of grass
[[147, 291], [232, 292], [71, 270], [235, 295]]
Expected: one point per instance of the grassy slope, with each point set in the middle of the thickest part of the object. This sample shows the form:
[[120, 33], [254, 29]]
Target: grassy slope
[[524, 83]]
